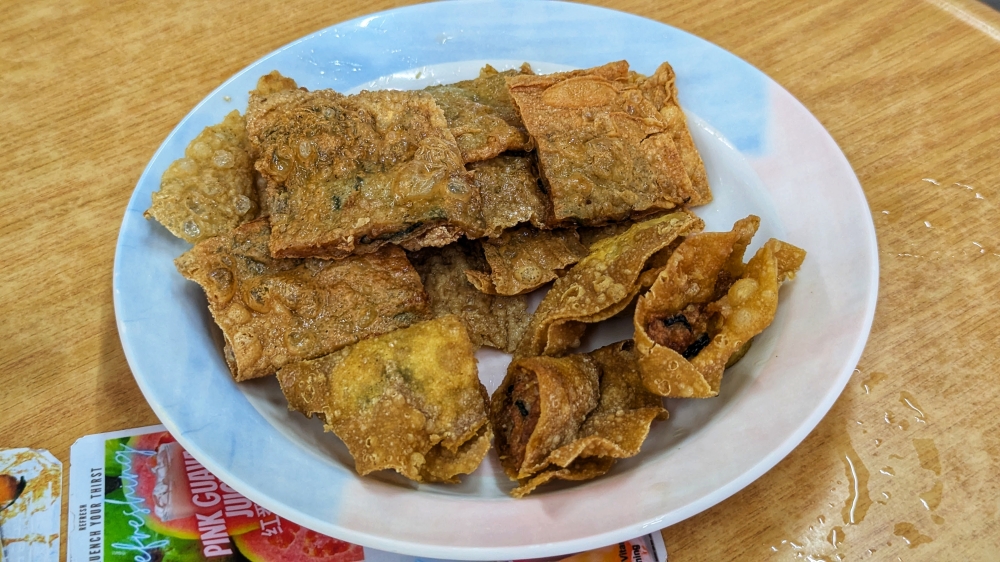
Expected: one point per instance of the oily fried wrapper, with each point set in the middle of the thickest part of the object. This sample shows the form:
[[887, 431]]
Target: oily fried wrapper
[[615, 428], [493, 320], [604, 153], [481, 114], [601, 284], [742, 308], [540, 406], [524, 259], [274, 311], [211, 190], [511, 194], [661, 90], [347, 174], [409, 400]]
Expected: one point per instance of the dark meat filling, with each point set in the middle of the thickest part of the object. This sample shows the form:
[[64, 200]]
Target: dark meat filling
[[685, 332], [518, 417]]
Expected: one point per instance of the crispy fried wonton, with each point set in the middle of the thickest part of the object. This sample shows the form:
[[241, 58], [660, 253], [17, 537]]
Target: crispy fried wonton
[[511, 193], [347, 174], [409, 400], [211, 190], [274, 311], [481, 114], [601, 284], [661, 90], [706, 305], [524, 259], [567, 417], [494, 320], [603, 150]]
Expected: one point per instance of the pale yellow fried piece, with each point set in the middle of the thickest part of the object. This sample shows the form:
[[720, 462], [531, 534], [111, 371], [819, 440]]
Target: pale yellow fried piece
[[586, 468], [705, 307], [493, 320], [274, 311], [661, 90], [524, 259], [211, 190], [523, 411], [510, 193], [601, 284], [409, 400], [481, 114], [540, 406], [347, 174], [603, 150]]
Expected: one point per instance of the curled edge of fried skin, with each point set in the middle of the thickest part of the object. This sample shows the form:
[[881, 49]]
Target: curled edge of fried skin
[[601, 284], [615, 428], [747, 309], [388, 398]]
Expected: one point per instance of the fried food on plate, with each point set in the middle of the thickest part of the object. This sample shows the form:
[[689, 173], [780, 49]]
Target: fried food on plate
[[511, 193], [570, 417], [481, 114], [274, 311], [409, 400], [211, 189], [601, 284], [661, 90], [494, 320], [603, 150], [706, 305], [524, 259], [347, 174]]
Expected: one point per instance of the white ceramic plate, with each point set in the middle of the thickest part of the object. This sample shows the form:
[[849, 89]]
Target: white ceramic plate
[[765, 154]]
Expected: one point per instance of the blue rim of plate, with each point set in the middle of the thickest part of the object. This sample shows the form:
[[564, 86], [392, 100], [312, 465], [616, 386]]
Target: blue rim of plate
[[368, 48]]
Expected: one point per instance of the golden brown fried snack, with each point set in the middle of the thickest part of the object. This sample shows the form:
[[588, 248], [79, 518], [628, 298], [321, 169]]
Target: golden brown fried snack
[[510, 193], [494, 320], [211, 190], [347, 174], [603, 150], [661, 90], [705, 307], [601, 284], [524, 259], [538, 436], [481, 114], [409, 400], [274, 311]]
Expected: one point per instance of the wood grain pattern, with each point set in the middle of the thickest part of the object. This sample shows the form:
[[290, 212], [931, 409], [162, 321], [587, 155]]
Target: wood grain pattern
[[908, 89]]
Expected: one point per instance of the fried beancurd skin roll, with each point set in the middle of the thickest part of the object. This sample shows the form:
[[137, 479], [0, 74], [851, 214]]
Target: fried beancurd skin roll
[[409, 400], [539, 407], [615, 428], [523, 259], [705, 307]]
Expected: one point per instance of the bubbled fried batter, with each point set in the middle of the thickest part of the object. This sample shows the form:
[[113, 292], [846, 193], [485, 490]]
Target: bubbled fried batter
[[347, 174], [524, 259], [511, 193], [211, 189], [273, 311], [603, 150], [481, 114], [409, 400], [494, 320]]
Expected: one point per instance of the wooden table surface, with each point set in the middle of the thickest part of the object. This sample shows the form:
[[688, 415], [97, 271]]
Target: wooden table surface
[[909, 89]]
